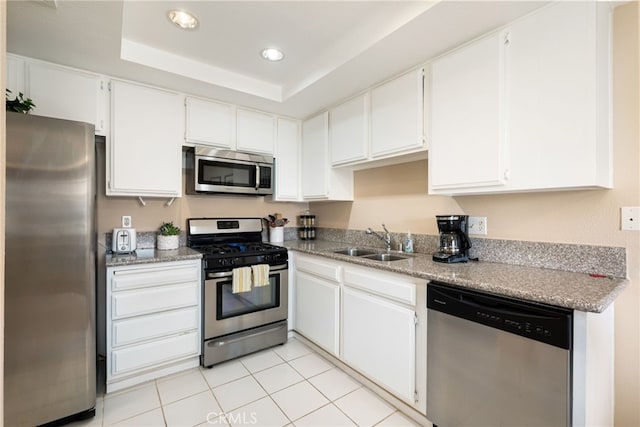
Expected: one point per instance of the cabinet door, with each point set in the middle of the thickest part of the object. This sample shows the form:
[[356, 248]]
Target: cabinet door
[[255, 132], [467, 146], [210, 123], [379, 339], [68, 94], [558, 117], [145, 155], [397, 115], [318, 310], [349, 131], [287, 160], [315, 159], [15, 75]]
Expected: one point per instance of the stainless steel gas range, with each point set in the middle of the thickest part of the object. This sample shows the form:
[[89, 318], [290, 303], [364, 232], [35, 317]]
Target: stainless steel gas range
[[239, 319]]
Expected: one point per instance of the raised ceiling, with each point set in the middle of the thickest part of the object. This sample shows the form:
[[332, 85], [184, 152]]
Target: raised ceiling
[[333, 49]]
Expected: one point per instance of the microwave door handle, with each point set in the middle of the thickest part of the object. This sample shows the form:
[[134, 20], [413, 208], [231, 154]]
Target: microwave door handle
[[257, 177]]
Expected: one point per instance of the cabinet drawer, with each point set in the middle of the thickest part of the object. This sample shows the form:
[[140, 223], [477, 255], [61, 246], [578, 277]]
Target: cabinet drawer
[[395, 287], [129, 331], [327, 270], [145, 301], [154, 353], [140, 278]]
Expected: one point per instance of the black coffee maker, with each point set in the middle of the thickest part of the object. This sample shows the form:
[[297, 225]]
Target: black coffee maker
[[454, 240]]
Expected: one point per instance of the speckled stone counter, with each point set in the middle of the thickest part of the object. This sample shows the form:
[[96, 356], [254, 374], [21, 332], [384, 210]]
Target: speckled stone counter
[[145, 256], [560, 288]]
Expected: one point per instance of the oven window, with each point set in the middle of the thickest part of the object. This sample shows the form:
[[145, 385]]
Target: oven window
[[229, 174], [258, 299]]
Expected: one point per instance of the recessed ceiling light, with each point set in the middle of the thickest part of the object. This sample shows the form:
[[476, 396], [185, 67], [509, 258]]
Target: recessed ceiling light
[[272, 54], [183, 19]]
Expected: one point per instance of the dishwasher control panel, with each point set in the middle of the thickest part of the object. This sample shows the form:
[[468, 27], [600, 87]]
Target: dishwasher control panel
[[540, 322]]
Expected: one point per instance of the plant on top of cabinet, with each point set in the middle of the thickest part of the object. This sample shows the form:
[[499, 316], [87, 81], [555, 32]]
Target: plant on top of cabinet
[[19, 104]]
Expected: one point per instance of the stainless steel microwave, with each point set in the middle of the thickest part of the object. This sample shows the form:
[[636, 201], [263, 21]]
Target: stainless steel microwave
[[215, 171]]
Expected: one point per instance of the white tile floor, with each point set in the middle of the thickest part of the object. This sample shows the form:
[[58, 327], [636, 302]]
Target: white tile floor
[[287, 385]]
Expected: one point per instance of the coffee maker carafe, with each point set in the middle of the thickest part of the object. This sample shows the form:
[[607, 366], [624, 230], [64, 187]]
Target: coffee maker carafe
[[454, 240]]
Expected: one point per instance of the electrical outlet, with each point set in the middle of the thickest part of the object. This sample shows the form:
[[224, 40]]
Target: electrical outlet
[[126, 221], [630, 218], [478, 225]]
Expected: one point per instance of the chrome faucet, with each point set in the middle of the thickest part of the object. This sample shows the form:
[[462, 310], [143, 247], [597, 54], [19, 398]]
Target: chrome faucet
[[386, 239]]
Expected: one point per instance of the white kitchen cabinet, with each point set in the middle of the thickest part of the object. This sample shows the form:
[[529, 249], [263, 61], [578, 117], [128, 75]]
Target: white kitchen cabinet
[[317, 302], [287, 160], [210, 123], [467, 146], [558, 98], [319, 180], [379, 329], [66, 93], [153, 321], [255, 132], [397, 116], [15, 75], [144, 153], [349, 131], [532, 118]]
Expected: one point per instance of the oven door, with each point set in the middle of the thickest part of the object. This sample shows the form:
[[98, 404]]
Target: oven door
[[226, 312], [219, 175]]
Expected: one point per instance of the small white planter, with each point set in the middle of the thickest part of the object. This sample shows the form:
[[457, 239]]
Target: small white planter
[[168, 242]]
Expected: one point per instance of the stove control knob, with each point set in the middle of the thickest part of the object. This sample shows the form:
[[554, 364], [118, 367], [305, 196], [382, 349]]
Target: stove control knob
[[235, 261]]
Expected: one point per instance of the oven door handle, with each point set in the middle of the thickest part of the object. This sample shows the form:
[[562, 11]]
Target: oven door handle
[[221, 274]]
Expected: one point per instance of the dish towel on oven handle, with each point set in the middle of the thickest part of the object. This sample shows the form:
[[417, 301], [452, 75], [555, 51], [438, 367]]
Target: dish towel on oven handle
[[241, 280], [260, 275]]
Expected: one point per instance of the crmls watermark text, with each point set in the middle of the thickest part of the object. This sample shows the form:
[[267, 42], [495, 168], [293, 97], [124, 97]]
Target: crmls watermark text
[[239, 418]]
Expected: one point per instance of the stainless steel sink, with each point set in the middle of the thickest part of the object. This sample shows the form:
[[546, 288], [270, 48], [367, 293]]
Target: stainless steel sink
[[385, 257], [355, 252]]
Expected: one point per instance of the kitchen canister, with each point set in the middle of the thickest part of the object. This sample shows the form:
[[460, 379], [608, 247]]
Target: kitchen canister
[[276, 234]]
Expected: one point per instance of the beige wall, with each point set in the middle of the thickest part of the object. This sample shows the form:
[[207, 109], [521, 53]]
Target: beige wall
[[156, 211], [396, 195]]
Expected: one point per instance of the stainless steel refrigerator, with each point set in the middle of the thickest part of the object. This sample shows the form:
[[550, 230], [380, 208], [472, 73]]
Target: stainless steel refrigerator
[[49, 348]]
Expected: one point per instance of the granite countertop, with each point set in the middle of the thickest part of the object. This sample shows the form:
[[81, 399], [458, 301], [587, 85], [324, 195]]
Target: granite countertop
[[145, 256], [576, 291]]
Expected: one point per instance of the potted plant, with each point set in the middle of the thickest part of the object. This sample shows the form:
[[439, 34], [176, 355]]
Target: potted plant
[[19, 104], [169, 236]]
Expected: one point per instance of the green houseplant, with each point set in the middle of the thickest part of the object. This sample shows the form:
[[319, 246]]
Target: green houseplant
[[169, 236], [19, 104]]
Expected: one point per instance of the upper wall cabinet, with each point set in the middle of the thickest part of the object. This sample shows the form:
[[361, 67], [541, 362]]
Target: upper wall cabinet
[[397, 112], [210, 123], [255, 131], [287, 160], [319, 180], [144, 151], [536, 117], [225, 126], [467, 99], [349, 131], [381, 126], [60, 92]]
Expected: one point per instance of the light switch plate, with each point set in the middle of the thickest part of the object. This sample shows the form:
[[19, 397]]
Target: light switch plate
[[126, 221], [478, 225], [630, 218]]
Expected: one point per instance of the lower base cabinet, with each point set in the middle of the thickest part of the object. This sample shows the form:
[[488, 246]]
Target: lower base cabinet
[[317, 304], [379, 339], [373, 321], [153, 321]]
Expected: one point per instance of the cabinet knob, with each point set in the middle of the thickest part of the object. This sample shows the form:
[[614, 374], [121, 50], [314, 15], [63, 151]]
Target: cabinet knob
[[507, 174]]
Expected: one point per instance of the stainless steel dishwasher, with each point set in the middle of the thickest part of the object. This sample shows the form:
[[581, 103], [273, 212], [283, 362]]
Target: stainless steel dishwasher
[[496, 361]]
